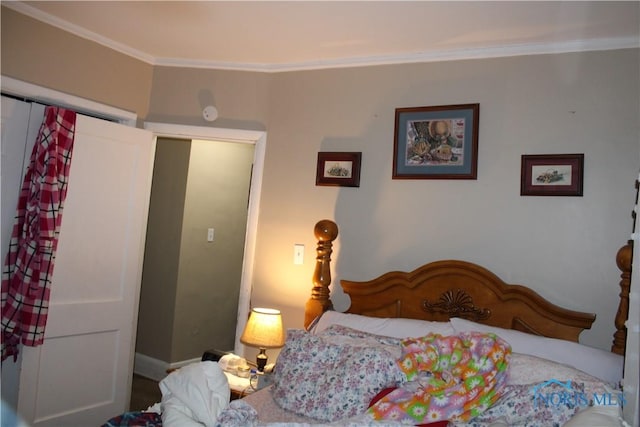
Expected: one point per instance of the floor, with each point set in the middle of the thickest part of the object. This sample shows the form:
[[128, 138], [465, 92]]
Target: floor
[[144, 393]]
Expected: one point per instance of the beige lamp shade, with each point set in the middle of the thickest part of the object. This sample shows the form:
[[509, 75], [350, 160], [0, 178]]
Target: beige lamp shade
[[264, 329]]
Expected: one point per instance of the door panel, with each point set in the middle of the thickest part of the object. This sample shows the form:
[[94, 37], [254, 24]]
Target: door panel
[[81, 375], [18, 138], [88, 360]]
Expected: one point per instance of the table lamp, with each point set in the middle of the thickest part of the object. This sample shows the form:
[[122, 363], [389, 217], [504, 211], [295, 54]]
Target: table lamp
[[263, 330]]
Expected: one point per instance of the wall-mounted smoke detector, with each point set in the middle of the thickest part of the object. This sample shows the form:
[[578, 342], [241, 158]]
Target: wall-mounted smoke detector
[[210, 113]]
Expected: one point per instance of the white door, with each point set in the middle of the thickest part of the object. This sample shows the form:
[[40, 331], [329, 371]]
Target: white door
[[18, 137], [81, 375]]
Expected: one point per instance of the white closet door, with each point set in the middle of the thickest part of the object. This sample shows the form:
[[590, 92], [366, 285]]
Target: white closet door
[[17, 140], [18, 137], [81, 375]]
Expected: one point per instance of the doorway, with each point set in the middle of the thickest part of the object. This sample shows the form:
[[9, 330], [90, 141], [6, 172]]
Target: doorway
[[194, 315], [194, 249]]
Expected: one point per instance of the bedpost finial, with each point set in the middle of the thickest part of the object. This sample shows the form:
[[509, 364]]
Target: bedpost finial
[[326, 230], [624, 256], [623, 260]]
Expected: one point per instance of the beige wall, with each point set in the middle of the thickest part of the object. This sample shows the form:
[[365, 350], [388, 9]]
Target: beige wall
[[49, 57], [206, 305], [563, 247], [190, 287], [180, 94], [156, 318]]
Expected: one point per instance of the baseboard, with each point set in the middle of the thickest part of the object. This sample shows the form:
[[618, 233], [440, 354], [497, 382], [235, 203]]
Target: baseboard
[[177, 365], [154, 368], [150, 367]]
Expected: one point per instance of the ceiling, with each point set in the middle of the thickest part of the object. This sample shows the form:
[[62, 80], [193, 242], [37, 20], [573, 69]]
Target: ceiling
[[281, 36]]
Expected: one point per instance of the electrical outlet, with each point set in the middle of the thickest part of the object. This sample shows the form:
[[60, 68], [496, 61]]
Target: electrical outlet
[[298, 254]]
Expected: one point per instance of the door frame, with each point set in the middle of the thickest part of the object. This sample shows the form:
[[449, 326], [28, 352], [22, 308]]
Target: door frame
[[43, 95], [259, 139]]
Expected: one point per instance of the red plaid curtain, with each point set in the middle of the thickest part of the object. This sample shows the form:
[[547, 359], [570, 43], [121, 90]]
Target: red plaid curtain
[[28, 267]]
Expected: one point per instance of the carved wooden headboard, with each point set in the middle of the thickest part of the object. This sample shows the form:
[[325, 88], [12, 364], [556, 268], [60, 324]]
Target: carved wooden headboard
[[452, 288]]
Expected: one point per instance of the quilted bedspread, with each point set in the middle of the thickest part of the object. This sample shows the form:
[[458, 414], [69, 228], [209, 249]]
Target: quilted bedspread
[[455, 378]]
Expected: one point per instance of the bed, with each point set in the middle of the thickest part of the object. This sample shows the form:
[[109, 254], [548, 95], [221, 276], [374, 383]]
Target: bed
[[449, 343]]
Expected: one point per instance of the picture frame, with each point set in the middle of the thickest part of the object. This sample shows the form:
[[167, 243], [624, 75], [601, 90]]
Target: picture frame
[[340, 169], [439, 142], [552, 175]]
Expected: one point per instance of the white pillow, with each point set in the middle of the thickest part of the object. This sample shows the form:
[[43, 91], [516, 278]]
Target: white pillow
[[388, 327], [597, 416], [527, 369], [599, 363]]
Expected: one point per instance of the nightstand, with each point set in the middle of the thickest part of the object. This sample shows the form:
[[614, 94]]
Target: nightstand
[[239, 387]]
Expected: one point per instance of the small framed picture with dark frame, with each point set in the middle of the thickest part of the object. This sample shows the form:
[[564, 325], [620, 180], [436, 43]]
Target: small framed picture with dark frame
[[340, 169], [552, 175]]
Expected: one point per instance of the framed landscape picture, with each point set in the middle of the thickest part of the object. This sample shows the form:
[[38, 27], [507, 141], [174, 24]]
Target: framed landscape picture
[[436, 142], [552, 175]]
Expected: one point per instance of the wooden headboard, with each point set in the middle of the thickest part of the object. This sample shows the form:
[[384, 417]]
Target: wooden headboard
[[452, 288]]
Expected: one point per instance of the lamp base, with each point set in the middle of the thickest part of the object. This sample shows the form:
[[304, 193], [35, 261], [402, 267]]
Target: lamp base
[[261, 359]]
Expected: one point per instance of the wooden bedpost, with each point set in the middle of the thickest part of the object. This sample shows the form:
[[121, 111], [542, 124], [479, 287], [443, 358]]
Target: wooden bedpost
[[326, 232], [623, 259]]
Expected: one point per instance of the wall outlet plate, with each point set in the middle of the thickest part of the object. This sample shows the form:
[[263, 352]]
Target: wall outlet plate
[[298, 254]]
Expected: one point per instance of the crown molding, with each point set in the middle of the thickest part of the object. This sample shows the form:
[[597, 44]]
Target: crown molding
[[417, 57]]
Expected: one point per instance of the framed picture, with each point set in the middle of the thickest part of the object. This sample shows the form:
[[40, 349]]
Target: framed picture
[[552, 175], [338, 169], [436, 142]]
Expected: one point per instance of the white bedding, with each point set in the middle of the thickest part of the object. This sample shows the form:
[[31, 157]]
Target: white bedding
[[193, 396]]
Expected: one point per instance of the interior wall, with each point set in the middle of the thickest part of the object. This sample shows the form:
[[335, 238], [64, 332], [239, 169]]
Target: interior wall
[[217, 193], [190, 286], [44, 55], [562, 247], [160, 270], [179, 95]]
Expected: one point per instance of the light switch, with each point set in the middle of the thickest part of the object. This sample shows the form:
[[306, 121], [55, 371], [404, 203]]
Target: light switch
[[210, 235], [298, 253]]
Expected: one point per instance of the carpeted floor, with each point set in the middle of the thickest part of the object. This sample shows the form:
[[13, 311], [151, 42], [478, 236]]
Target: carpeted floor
[[144, 393]]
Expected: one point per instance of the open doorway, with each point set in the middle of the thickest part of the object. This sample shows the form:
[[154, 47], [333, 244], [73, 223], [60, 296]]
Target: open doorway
[[200, 244]]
